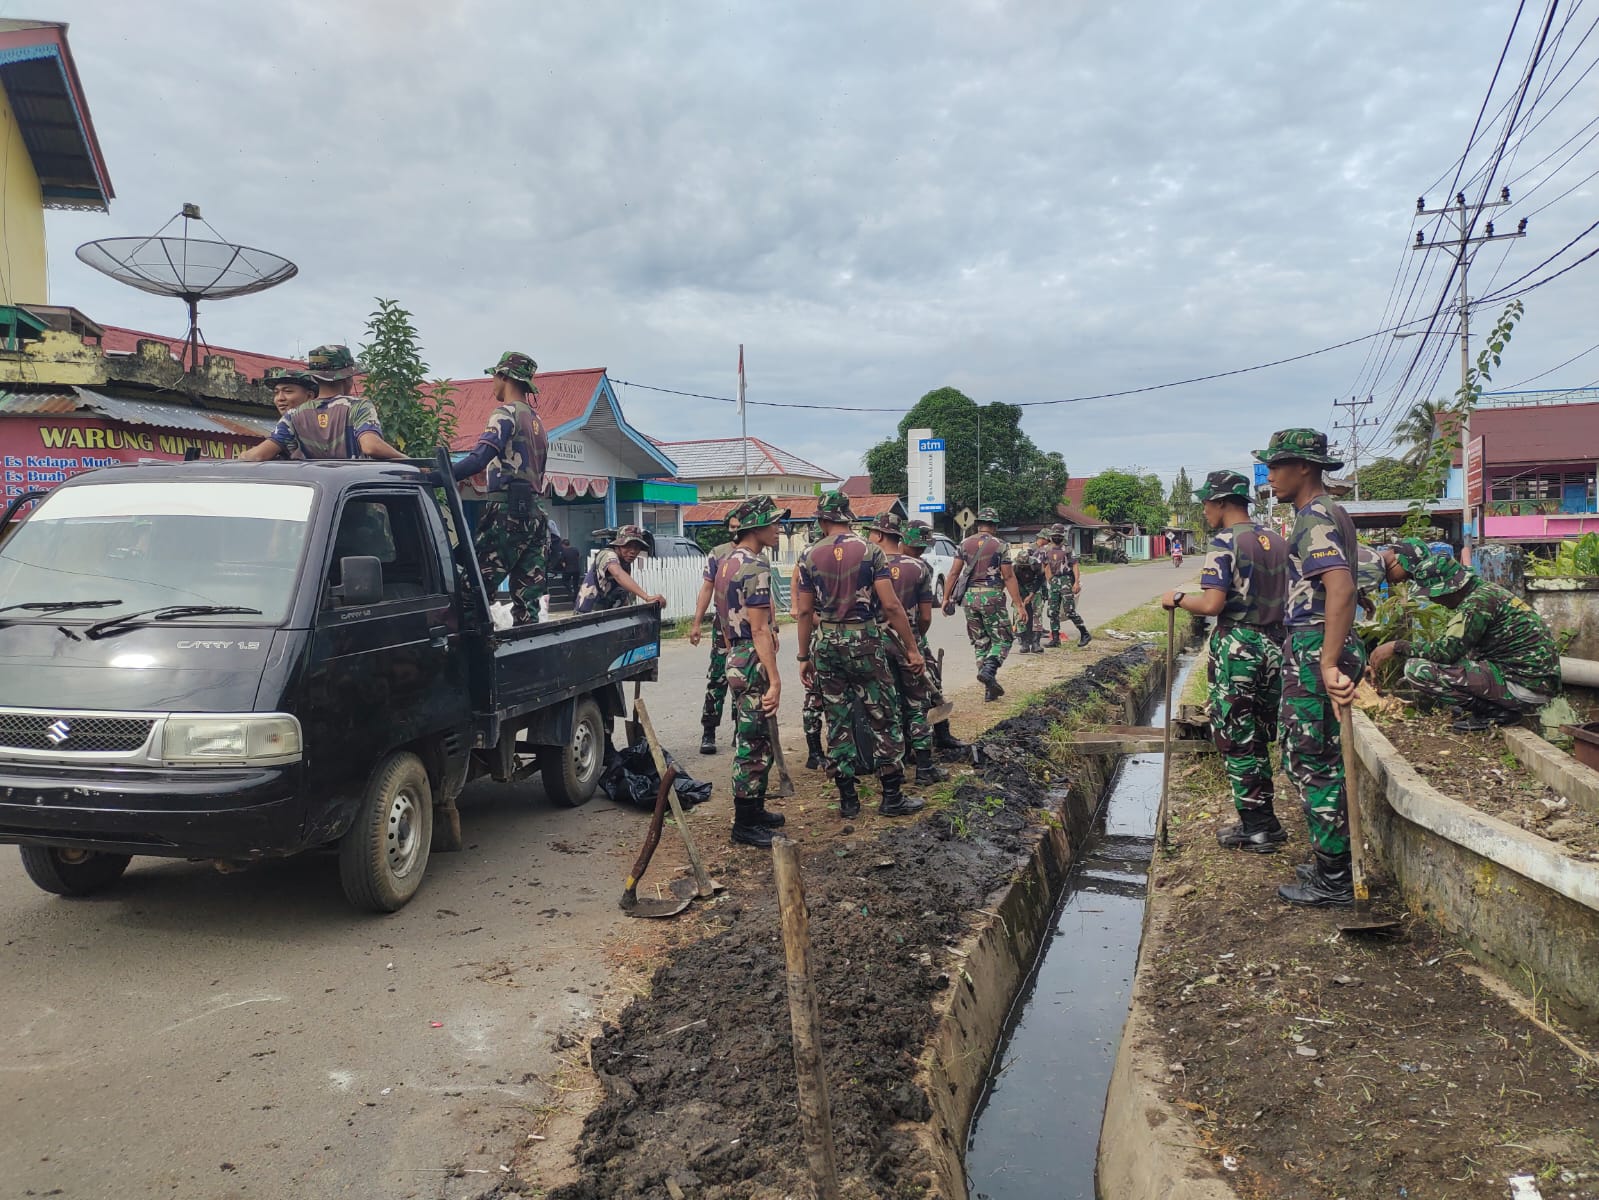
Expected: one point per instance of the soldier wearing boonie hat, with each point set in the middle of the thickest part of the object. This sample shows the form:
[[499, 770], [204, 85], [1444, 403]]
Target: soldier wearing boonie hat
[[745, 619], [609, 582], [1322, 658], [1032, 581], [985, 565], [841, 584], [1065, 582], [1243, 584], [291, 388], [913, 584], [323, 425], [716, 672], [914, 543], [1496, 660]]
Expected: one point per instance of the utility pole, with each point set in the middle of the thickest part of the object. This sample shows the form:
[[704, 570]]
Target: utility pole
[[1463, 217], [1355, 424]]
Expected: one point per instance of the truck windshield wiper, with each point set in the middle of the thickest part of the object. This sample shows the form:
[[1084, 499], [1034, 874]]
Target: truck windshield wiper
[[168, 612], [56, 606]]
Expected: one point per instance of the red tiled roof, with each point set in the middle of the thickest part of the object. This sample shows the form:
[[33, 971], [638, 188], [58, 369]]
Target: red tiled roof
[[562, 398], [1074, 491], [857, 485], [247, 362], [1537, 433], [801, 508]]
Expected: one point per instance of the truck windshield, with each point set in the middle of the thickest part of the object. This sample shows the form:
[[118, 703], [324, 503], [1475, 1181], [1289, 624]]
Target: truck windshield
[[158, 543]]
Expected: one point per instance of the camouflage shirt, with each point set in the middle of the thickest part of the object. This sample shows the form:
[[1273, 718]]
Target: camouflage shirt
[[1493, 625], [1059, 560], [839, 573], [520, 445], [329, 428], [1370, 572], [600, 590], [1323, 540], [712, 561], [1250, 564], [912, 580], [1028, 565], [743, 581], [987, 554]]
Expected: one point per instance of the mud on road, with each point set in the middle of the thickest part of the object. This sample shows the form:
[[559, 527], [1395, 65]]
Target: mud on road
[[698, 1076]]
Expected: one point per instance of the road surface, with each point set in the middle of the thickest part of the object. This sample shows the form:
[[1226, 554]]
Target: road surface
[[200, 1034]]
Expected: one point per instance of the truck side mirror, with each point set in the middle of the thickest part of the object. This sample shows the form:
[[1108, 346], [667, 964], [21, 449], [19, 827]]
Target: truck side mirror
[[363, 581]]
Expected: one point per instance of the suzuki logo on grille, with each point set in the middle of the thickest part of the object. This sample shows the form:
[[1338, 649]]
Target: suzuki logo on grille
[[58, 732]]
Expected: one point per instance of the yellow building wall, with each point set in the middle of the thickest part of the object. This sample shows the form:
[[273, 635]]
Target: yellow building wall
[[24, 274]]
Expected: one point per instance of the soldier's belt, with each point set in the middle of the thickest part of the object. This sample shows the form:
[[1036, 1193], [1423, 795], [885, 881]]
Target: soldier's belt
[[1276, 632], [861, 624]]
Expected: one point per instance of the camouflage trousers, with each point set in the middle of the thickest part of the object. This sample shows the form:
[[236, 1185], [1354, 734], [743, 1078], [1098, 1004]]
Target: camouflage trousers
[[1062, 603], [752, 742], [933, 674], [1246, 683], [852, 665], [988, 624], [1034, 597], [1312, 750], [715, 680], [1467, 680], [916, 693], [513, 548]]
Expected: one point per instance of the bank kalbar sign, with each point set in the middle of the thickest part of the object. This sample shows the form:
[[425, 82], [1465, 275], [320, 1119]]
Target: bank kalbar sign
[[41, 452], [924, 471], [1473, 474]]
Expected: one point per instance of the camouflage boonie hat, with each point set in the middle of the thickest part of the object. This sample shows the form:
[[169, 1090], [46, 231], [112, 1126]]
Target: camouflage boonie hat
[[834, 506], [1433, 574], [890, 524], [303, 379], [630, 534], [513, 365], [330, 364], [1307, 445], [988, 516], [755, 513], [915, 535], [1057, 530], [1223, 483]]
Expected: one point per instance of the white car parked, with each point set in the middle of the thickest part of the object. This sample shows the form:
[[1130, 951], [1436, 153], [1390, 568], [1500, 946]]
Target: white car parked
[[940, 556]]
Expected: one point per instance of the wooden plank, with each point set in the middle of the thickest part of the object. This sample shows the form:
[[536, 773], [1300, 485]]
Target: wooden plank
[[1103, 742]]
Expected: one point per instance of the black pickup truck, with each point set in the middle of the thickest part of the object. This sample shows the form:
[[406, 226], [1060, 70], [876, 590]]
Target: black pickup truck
[[246, 661]]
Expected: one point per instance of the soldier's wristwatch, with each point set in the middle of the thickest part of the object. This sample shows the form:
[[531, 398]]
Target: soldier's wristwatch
[[1177, 599]]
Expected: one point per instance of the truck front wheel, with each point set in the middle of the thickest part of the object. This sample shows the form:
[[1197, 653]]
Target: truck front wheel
[[72, 872], [383, 855], [572, 772]]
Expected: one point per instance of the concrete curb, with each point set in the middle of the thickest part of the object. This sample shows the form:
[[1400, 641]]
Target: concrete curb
[[1573, 780]]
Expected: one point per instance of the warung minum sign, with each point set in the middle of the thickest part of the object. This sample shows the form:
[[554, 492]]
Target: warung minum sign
[[924, 471]]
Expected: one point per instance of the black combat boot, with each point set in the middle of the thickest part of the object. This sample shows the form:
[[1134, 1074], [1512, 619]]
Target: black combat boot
[[1054, 638], [765, 816], [708, 738], [1258, 832], [927, 771], [894, 803], [1331, 884], [943, 739], [987, 675], [1479, 715], [1086, 636], [849, 800], [747, 827], [818, 757]]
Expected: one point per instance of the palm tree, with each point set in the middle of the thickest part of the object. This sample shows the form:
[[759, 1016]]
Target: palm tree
[[1417, 429]]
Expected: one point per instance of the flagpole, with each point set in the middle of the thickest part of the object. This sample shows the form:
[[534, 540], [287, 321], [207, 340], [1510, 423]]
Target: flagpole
[[743, 422]]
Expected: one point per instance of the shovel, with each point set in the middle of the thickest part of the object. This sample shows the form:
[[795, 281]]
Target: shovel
[[1363, 920], [662, 907], [705, 886], [785, 781], [940, 712], [1165, 765]]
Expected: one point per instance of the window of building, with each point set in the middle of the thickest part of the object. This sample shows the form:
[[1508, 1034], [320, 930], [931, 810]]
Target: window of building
[[1573, 491]]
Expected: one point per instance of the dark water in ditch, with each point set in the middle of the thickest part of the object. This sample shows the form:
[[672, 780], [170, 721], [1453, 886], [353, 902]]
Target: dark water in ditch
[[1036, 1133]]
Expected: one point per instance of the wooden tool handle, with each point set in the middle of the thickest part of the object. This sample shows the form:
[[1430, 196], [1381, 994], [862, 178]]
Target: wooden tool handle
[[1357, 840], [702, 878], [652, 839]]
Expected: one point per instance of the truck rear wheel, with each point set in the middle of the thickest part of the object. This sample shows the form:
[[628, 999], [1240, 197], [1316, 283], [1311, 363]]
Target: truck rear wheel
[[572, 772], [383, 855], [72, 872]]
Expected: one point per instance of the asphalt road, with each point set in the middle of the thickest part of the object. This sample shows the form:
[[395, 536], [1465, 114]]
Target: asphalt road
[[208, 1035]]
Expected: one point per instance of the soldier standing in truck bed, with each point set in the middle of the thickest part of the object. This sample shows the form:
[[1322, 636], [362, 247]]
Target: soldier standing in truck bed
[[985, 565]]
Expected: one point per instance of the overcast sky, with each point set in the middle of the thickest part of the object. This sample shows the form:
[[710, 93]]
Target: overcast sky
[[1028, 201]]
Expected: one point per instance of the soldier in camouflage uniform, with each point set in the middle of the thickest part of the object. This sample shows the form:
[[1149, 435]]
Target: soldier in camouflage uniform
[[512, 539], [332, 426], [716, 673], [914, 543], [1497, 660], [1033, 583], [1065, 582], [744, 619], [811, 710], [913, 585], [841, 586], [1322, 658], [1243, 584], [609, 582], [985, 564]]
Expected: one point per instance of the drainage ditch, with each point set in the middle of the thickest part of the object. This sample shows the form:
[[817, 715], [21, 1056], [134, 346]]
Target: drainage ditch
[[1035, 1135]]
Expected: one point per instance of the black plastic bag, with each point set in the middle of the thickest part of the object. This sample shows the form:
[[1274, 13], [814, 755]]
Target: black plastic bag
[[631, 778]]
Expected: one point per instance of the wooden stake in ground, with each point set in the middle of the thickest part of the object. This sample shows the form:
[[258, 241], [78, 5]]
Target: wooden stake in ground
[[1165, 766], [816, 1113]]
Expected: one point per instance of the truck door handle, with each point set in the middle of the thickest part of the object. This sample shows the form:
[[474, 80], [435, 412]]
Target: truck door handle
[[438, 635]]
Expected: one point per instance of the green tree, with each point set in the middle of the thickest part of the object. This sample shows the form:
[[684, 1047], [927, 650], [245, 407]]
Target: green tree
[[417, 416], [1389, 479], [1187, 511], [1128, 498], [1416, 431], [1018, 479]]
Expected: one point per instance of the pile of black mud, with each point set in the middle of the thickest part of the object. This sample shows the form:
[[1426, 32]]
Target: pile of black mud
[[698, 1077]]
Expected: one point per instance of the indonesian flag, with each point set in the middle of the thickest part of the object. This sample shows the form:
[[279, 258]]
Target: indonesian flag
[[741, 379]]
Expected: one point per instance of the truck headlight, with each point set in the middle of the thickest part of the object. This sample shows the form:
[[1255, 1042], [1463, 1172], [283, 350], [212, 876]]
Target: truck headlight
[[251, 739]]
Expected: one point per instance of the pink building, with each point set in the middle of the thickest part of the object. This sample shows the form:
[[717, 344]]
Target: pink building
[[1538, 472]]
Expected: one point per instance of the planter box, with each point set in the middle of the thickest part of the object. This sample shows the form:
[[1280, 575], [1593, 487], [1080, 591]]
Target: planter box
[[1569, 604]]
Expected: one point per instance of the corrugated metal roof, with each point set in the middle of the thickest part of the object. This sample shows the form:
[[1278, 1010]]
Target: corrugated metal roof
[[1396, 508], [723, 458], [132, 412]]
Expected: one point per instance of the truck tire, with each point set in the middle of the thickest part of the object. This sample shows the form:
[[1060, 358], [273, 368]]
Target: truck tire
[[384, 853], [72, 872], [572, 772]]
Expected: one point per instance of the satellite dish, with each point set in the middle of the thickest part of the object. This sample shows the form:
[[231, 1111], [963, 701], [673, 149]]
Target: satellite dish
[[190, 269]]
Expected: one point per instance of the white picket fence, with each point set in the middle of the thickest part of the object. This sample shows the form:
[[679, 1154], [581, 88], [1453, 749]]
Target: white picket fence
[[678, 579]]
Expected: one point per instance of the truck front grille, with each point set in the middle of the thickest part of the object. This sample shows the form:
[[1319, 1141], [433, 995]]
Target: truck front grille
[[71, 733]]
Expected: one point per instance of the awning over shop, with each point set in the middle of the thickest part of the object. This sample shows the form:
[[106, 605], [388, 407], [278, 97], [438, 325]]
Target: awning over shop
[[80, 401]]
